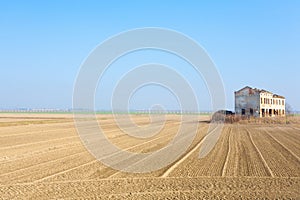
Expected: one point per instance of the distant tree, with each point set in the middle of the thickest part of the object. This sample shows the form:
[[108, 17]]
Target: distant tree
[[288, 109]]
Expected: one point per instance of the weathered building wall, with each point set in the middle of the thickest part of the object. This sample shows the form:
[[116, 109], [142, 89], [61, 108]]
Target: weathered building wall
[[271, 106], [247, 102]]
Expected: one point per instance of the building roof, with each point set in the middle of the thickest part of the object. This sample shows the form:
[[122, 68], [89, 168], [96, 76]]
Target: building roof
[[278, 96], [250, 88], [260, 91]]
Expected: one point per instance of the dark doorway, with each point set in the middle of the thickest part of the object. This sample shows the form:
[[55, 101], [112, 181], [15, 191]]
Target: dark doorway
[[243, 112], [251, 112]]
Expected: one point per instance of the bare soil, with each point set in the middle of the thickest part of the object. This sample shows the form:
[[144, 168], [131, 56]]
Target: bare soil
[[42, 157]]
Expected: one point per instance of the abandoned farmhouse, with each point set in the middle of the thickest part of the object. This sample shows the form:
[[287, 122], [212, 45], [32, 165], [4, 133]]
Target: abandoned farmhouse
[[258, 103]]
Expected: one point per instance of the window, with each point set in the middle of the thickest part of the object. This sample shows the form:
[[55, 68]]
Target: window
[[282, 102]]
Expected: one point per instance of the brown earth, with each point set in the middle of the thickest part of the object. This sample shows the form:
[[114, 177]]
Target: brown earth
[[42, 157]]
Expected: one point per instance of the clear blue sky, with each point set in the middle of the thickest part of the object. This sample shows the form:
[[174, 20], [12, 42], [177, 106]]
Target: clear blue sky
[[43, 43]]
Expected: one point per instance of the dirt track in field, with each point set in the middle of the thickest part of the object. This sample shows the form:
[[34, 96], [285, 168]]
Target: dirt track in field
[[41, 157]]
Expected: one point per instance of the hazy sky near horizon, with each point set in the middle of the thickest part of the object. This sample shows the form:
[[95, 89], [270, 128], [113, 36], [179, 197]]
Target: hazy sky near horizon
[[43, 44]]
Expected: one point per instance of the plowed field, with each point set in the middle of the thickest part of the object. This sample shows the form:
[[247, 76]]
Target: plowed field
[[42, 157]]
